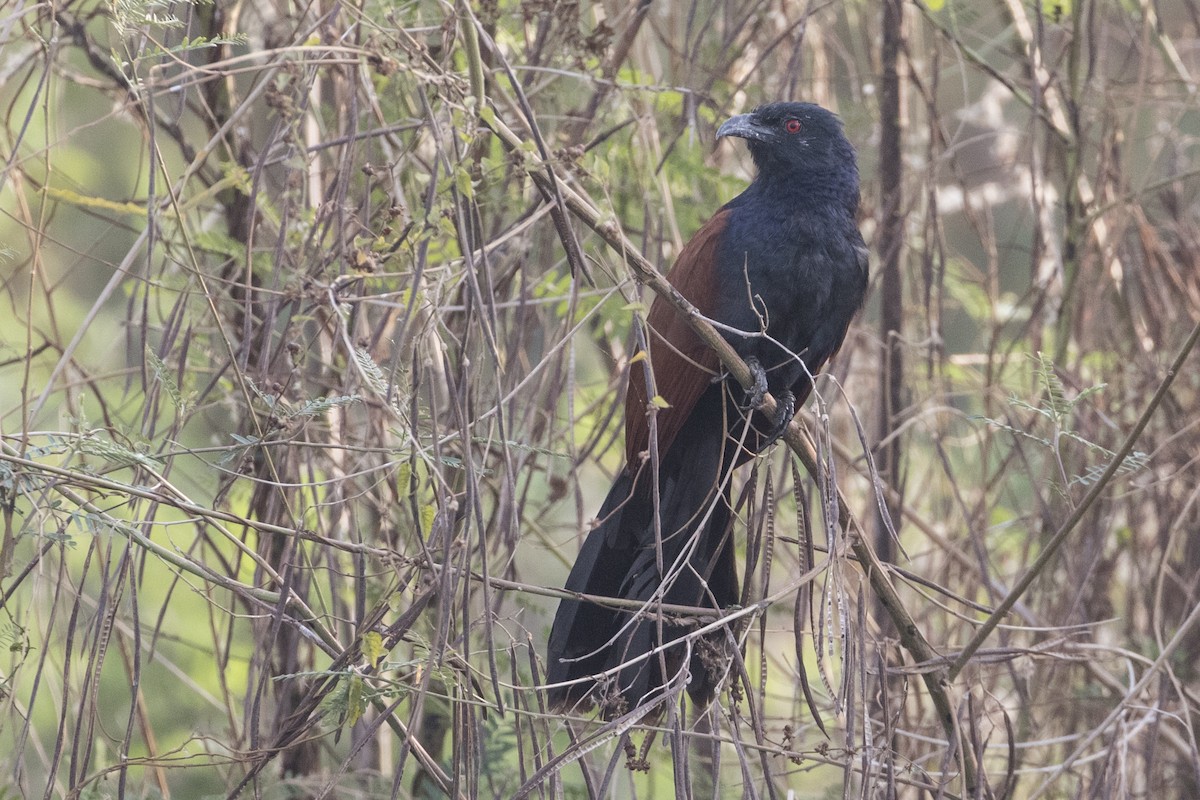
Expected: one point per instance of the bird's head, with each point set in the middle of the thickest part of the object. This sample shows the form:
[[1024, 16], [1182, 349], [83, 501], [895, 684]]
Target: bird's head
[[792, 138]]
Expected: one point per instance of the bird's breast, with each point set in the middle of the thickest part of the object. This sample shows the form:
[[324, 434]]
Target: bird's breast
[[787, 272]]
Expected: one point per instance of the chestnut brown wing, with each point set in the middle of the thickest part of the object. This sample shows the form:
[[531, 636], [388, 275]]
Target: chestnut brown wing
[[682, 365]]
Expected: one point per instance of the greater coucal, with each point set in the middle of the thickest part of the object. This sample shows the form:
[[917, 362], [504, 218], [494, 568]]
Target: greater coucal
[[782, 269]]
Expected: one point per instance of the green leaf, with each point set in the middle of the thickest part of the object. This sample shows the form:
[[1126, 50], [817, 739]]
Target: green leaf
[[403, 479], [372, 648], [355, 705], [320, 405], [462, 182]]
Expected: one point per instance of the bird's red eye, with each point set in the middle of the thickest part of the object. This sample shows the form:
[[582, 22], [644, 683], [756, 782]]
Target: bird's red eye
[[792, 125]]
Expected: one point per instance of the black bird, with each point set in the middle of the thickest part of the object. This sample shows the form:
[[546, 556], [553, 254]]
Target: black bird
[[783, 268]]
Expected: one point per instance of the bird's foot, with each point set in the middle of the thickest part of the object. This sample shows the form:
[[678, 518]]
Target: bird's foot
[[755, 395], [785, 402], [785, 409]]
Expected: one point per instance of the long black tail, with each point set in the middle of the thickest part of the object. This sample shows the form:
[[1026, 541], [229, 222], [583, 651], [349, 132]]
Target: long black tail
[[620, 559]]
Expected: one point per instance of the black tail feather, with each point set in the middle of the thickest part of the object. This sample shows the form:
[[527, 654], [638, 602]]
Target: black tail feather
[[620, 559]]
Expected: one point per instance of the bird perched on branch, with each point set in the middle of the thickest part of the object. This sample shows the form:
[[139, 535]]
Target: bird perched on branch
[[781, 269]]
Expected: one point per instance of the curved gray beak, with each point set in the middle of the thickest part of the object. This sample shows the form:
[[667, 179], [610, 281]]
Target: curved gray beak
[[744, 126]]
